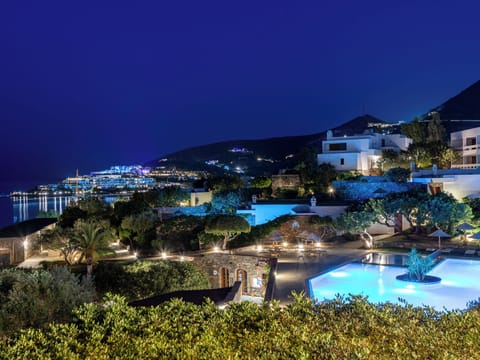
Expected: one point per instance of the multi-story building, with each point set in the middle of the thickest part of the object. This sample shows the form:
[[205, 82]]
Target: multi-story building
[[466, 142], [360, 152]]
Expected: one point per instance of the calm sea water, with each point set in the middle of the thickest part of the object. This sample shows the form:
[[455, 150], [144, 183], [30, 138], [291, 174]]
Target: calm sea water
[[12, 211]]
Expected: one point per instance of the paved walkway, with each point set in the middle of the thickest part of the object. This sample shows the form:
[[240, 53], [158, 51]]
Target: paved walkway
[[294, 268], [35, 260]]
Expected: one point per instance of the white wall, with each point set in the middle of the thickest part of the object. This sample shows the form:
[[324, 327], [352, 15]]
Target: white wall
[[352, 161]]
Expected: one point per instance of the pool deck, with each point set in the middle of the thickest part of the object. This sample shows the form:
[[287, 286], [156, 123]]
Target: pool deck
[[293, 271], [294, 268]]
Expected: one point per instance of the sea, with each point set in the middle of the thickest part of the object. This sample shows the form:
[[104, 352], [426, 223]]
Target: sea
[[13, 210], [18, 209]]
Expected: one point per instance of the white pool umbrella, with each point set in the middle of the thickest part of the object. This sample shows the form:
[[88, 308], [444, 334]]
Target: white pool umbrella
[[439, 233]]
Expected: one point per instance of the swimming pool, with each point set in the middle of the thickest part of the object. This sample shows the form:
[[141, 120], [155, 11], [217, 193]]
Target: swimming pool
[[460, 284]]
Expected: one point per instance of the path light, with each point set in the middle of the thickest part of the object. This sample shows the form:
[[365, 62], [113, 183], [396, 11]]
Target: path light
[[318, 245], [164, 255], [301, 247], [259, 248], [285, 244], [25, 243], [331, 191], [215, 249], [182, 258], [135, 254]]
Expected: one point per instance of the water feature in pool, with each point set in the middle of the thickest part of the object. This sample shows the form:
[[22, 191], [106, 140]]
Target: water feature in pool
[[459, 284]]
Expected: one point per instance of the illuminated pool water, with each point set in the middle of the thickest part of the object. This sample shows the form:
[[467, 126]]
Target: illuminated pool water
[[460, 284]]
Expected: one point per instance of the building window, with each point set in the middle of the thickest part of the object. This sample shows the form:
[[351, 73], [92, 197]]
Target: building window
[[470, 141], [337, 147], [342, 161], [383, 142]]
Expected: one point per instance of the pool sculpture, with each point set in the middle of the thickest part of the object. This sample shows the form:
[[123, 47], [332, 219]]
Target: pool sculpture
[[417, 269]]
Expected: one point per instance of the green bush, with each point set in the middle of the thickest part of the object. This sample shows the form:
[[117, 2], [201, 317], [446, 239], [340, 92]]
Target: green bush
[[259, 232], [343, 328], [142, 279], [34, 298]]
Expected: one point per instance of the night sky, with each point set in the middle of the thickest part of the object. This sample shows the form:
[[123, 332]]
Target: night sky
[[89, 84]]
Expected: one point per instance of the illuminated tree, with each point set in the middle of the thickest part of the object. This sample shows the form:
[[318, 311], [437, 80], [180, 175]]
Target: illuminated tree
[[92, 238], [229, 226]]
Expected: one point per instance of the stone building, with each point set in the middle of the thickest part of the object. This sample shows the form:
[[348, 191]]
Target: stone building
[[287, 182], [225, 269], [16, 241]]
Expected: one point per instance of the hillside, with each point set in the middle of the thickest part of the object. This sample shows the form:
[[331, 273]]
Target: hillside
[[268, 156], [260, 157], [461, 111]]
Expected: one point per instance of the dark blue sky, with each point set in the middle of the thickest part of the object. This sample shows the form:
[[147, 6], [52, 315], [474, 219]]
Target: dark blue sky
[[93, 83]]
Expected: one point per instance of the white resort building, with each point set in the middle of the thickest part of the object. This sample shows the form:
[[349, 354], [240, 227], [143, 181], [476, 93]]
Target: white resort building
[[360, 152], [466, 142]]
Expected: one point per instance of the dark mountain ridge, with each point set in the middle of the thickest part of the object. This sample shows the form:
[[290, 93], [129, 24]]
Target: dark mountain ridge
[[261, 156], [268, 156]]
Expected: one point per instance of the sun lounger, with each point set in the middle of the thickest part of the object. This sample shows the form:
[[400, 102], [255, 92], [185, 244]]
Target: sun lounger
[[446, 251], [469, 252]]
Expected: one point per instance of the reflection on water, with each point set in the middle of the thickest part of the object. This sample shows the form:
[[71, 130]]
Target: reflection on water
[[25, 208]]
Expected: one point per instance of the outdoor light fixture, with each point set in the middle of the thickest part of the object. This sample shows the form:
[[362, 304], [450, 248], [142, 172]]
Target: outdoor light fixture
[[259, 248], [25, 243], [215, 249], [164, 255], [285, 244]]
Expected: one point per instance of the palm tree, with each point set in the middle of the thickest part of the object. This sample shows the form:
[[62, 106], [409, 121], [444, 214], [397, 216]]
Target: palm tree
[[91, 238]]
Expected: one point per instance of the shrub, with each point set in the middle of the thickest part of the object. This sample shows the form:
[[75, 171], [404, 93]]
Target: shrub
[[142, 279]]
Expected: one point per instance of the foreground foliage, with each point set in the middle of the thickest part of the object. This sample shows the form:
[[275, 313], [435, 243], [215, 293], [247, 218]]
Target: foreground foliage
[[142, 279], [37, 297], [343, 328]]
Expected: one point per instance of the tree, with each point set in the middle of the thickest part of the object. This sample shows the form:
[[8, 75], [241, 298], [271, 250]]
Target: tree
[[435, 130], [397, 174], [36, 298], [92, 238], [123, 208], [144, 278], [385, 211], [61, 239], [229, 226], [96, 208], [389, 159], [414, 130], [141, 225], [225, 202], [261, 182], [358, 221], [443, 211], [224, 183], [70, 215], [420, 154], [171, 196]]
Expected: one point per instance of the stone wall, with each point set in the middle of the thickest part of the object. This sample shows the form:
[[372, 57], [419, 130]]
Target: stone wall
[[224, 269], [285, 182], [363, 190]]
